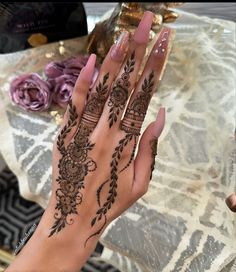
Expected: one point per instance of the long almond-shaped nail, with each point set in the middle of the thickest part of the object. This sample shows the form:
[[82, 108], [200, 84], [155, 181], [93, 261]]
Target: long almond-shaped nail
[[141, 34], [120, 47], [161, 45], [88, 70], [159, 123]]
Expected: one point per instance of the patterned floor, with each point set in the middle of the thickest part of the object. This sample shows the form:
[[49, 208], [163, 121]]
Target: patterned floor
[[17, 215]]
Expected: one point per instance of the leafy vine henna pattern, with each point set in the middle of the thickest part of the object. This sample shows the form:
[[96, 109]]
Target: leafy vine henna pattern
[[120, 91], [123, 169], [75, 163], [101, 213], [131, 124], [136, 111], [67, 128]]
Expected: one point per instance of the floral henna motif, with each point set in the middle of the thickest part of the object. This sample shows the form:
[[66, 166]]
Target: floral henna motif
[[153, 144], [75, 163], [136, 111], [120, 91], [73, 166]]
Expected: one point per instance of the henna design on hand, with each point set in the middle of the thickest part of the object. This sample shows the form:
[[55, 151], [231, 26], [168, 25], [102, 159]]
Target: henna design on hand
[[67, 128], [135, 115], [96, 102], [131, 156], [75, 164], [120, 91], [136, 111], [116, 156], [153, 144], [99, 190]]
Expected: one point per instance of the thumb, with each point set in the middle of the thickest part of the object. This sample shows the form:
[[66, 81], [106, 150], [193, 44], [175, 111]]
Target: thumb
[[145, 159]]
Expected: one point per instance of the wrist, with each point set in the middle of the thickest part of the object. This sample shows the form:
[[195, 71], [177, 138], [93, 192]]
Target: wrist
[[63, 251], [69, 242]]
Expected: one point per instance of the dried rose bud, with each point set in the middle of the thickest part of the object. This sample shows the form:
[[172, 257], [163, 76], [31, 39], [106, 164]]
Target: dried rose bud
[[54, 69], [74, 65], [71, 66], [63, 87]]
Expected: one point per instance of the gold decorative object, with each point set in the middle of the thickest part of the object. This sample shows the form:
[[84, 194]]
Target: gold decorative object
[[126, 16], [58, 115], [61, 49], [37, 39]]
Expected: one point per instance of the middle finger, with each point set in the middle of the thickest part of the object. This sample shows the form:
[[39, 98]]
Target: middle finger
[[125, 81]]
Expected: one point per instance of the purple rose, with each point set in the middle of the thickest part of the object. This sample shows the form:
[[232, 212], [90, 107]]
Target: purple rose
[[63, 87], [54, 69], [71, 66], [74, 65], [31, 92], [63, 75]]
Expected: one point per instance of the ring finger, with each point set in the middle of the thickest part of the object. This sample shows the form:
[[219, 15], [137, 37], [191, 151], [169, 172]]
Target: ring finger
[[140, 99]]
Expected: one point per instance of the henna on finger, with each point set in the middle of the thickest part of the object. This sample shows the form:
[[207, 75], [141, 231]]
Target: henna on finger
[[100, 91], [96, 102], [136, 111], [120, 91]]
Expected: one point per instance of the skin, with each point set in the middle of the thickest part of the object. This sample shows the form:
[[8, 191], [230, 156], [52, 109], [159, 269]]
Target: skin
[[67, 248]]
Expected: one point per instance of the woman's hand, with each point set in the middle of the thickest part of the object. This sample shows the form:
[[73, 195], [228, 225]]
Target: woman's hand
[[96, 175]]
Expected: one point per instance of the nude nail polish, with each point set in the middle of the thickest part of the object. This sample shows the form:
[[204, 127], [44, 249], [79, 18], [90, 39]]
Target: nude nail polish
[[160, 122], [119, 48], [161, 45], [141, 34], [88, 70]]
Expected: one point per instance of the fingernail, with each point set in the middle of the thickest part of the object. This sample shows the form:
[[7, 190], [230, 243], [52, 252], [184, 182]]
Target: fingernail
[[88, 70], [118, 50], [231, 202], [161, 44], [159, 123], [141, 34]]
